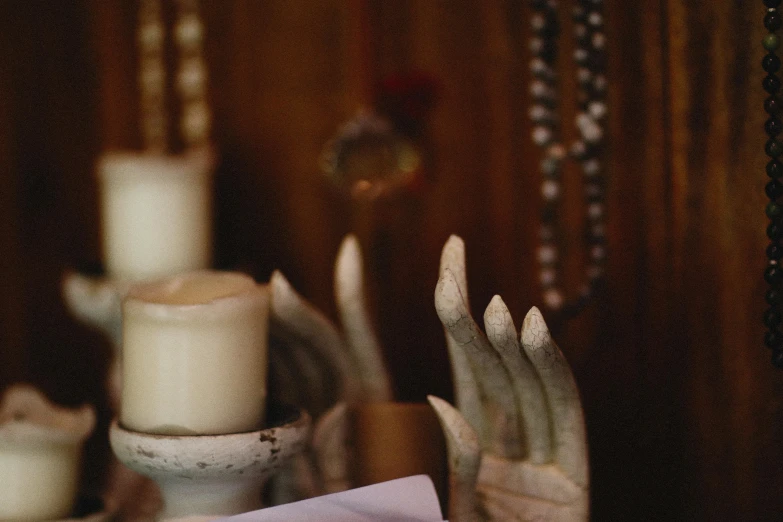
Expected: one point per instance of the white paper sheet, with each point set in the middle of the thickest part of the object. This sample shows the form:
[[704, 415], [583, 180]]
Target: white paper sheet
[[406, 499]]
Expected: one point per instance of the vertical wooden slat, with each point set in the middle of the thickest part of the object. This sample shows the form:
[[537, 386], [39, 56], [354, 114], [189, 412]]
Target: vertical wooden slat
[[501, 174], [629, 367], [719, 228], [12, 335], [50, 95], [114, 42]]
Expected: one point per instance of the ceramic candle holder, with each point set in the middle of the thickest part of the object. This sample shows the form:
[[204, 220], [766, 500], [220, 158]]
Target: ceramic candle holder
[[40, 455], [97, 302], [202, 477], [156, 213]]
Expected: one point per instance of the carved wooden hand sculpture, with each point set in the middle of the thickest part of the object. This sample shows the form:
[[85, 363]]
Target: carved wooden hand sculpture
[[319, 363], [516, 443], [316, 366]]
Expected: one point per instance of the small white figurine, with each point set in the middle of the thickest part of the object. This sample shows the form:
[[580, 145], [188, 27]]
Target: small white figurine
[[40, 455]]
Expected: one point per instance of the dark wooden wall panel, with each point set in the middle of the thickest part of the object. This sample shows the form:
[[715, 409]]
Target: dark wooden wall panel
[[732, 393], [683, 408], [12, 338], [627, 360]]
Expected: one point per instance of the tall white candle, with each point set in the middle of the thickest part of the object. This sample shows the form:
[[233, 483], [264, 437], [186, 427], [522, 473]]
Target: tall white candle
[[40, 454], [156, 209], [194, 356]]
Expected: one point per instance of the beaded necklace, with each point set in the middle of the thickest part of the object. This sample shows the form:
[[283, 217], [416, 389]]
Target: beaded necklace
[[774, 189], [191, 75], [587, 149]]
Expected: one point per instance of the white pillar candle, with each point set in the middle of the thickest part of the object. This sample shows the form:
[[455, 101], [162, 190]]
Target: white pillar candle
[[156, 211], [194, 357], [40, 455]]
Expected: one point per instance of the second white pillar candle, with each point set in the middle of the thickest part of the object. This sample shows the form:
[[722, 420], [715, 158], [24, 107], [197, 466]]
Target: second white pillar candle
[[157, 213], [195, 355]]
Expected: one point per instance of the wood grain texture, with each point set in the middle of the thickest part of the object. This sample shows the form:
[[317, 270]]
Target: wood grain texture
[[12, 335], [49, 90], [733, 394], [628, 359], [682, 405]]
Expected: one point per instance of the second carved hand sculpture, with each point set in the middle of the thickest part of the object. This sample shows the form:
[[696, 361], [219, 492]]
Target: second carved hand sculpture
[[325, 370], [516, 441]]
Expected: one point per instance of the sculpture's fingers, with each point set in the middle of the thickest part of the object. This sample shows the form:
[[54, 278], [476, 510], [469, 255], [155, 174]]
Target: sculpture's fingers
[[294, 317], [499, 432], [464, 454], [359, 334], [533, 481], [466, 390], [562, 395], [452, 257], [329, 448], [531, 404]]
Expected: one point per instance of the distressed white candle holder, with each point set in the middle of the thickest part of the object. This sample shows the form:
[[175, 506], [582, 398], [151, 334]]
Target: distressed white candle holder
[[40, 455], [156, 220], [203, 477], [97, 302]]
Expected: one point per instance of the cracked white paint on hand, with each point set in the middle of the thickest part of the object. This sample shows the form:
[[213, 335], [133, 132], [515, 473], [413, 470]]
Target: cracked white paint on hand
[[465, 388], [523, 381], [499, 411]]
